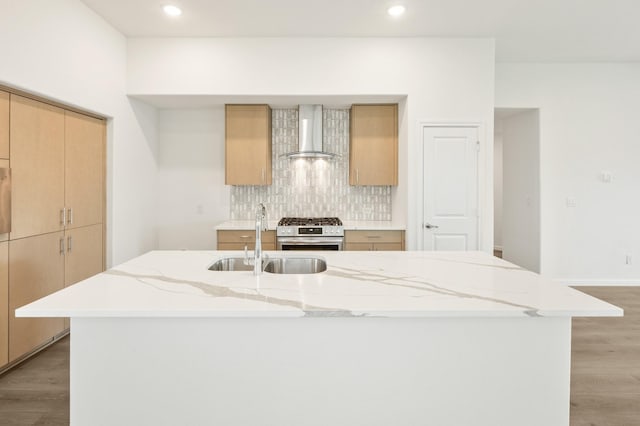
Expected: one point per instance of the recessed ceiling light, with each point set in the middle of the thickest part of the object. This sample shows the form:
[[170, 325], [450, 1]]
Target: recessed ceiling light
[[172, 10], [396, 10]]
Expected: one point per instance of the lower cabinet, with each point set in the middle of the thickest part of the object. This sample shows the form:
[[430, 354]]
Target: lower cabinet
[[41, 265], [4, 303], [374, 240], [84, 256], [37, 269], [238, 239]]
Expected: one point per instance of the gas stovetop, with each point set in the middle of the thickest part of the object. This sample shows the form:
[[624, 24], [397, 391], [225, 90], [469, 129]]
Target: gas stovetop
[[310, 226], [310, 221]]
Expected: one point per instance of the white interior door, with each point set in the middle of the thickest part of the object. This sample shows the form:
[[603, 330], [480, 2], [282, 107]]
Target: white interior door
[[450, 188]]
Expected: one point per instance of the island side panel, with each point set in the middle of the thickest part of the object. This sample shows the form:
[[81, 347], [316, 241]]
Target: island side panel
[[318, 371]]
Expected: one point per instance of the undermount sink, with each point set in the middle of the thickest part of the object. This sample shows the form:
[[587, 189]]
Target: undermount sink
[[277, 265], [230, 264], [296, 265]]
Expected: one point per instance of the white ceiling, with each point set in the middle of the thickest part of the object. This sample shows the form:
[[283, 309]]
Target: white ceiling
[[525, 30]]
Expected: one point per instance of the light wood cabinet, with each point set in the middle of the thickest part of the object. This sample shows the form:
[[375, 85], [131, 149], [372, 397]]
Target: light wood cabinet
[[37, 269], [373, 144], [247, 145], [374, 240], [37, 167], [238, 239], [84, 169], [4, 124], [83, 253], [4, 303], [4, 164], [57, 162]]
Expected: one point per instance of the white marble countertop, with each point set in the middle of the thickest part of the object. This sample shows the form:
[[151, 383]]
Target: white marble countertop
[[349, 225], [370, 225], [233, 225], [380, 284]]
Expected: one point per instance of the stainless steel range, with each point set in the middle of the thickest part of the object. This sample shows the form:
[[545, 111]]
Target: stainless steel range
[[309, 233]]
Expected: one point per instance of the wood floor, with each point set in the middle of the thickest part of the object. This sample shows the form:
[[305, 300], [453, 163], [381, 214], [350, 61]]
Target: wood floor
[[605, 363], [605, 372], [36, 392]]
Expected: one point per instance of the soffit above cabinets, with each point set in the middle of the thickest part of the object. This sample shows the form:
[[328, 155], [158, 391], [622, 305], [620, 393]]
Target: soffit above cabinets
[[281, 101]]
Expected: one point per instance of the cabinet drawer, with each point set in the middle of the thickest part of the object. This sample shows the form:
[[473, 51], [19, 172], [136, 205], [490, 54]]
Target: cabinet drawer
[[245, 236], [399, 246], [250, 246], [358, 246], [373, 236], [388, 247]]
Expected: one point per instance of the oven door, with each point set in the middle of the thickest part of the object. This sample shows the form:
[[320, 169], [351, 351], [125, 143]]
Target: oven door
[[305, 243]]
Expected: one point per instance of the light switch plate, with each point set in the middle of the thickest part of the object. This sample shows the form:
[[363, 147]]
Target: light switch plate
[[571, 201], [606, 177]]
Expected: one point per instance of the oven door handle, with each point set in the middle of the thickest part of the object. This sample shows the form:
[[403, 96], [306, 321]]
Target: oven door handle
[[323, 241]]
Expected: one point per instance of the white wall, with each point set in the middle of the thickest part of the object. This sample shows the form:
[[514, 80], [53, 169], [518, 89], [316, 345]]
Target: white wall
[[64, 51], [497, 184], [521, 190], [444, 80], [588, 124], [191, 195]]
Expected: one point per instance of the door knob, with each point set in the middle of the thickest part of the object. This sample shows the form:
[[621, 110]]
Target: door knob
[[430, 226]]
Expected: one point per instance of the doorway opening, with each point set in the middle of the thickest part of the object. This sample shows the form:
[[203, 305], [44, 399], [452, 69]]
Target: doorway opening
[[516, 188]]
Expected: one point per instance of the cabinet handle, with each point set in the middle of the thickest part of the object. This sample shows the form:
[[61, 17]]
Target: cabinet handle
[[62, 246], [373, 236], [357, 176], [244, 237], [69, 241], [263, 175], [63, 216], [70, 217]]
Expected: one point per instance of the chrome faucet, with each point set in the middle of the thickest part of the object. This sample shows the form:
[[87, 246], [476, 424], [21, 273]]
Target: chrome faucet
[[261, 225]]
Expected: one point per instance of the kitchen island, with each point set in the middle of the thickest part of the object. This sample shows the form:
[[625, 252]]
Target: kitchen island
[[379, 338]]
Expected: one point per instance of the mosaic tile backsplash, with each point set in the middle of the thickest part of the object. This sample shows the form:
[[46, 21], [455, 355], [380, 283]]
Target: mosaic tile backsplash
[[311, 187]]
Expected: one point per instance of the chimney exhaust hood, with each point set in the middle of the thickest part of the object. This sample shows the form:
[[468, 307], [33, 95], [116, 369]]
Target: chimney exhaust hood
[[310, 133]]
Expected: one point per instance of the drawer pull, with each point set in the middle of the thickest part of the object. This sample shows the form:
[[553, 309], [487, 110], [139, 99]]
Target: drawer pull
[[244, 237], [373, 236]]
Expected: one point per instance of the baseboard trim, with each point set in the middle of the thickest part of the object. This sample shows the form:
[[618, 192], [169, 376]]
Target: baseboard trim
[[6, 368], [598, 282]]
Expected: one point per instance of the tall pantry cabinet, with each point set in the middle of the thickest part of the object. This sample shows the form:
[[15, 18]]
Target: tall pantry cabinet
[[57, 211], [4, 244]]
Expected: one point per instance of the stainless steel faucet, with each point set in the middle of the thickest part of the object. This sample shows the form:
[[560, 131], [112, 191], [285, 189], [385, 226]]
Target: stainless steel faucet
[[261, 225]]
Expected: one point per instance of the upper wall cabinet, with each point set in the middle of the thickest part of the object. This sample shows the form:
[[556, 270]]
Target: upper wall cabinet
[[4, 125], [84, 169], [37, 167], [373, 150], [57, 167], [247, 145]]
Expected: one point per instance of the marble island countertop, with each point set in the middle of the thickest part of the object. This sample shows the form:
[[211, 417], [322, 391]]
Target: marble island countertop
[[376, 284]]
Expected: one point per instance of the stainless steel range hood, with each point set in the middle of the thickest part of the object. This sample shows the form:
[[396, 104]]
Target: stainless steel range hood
[[310, 133]]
